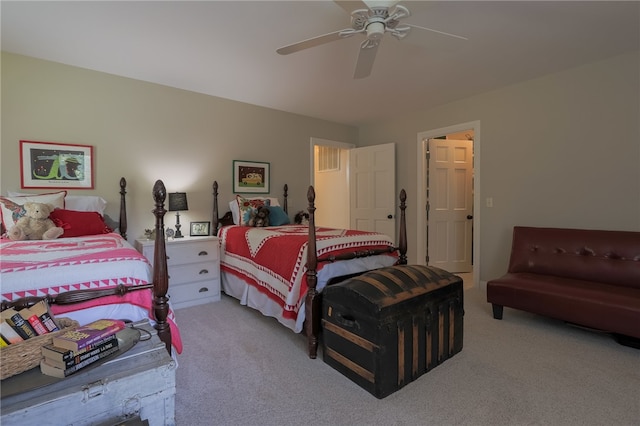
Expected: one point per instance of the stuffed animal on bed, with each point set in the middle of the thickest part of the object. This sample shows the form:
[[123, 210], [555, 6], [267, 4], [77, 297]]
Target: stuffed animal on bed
[[35, 224], [259, 217], [301, 218]]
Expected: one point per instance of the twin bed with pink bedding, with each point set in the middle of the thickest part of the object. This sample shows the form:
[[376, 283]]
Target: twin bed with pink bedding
[[91, 277]]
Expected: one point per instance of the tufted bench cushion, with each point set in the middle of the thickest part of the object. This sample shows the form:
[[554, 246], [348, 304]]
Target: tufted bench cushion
[[586, 277]]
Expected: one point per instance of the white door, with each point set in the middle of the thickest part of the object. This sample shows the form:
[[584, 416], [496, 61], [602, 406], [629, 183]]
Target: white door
[[372, 182], [450, 204]]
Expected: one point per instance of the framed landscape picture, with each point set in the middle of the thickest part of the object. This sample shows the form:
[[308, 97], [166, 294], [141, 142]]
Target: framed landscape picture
[[56, 165], [250, 177]]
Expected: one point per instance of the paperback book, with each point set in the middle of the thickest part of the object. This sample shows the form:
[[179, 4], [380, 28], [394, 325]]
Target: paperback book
[[19, 324], [65, 358], [96, 355], [41, 309], [9, 334], [81, 337], [34, 321]]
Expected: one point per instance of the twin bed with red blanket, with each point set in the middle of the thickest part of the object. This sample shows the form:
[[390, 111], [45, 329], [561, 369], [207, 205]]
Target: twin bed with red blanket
[[280, 270], [94, 276]]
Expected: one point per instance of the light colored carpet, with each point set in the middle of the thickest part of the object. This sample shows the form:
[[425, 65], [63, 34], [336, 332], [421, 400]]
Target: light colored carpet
[[240, 368]]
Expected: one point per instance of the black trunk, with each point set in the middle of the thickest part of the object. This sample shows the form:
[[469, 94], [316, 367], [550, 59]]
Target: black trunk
[[387, 327]]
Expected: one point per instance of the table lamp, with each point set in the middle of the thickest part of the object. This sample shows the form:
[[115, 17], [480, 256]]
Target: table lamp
[[178, 203]]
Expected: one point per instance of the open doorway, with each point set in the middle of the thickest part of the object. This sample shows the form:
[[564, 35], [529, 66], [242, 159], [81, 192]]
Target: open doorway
[[428, 192], [329, 177]]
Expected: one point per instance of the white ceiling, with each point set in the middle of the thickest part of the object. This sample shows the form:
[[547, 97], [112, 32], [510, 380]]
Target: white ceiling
[[228, 49]]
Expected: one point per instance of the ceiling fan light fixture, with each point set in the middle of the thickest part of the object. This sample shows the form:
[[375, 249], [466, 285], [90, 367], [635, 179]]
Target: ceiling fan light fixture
[[375, 30]]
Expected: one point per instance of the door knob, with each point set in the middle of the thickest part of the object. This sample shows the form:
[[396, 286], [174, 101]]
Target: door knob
[[390, 217], [469, 216]]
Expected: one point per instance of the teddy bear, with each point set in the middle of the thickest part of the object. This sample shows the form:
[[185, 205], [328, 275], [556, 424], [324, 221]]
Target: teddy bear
[[259, 217], [35, 224]]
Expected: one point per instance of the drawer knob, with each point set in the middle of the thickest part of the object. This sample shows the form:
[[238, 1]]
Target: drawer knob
[[203, 290], [204, 271], [203, 253]]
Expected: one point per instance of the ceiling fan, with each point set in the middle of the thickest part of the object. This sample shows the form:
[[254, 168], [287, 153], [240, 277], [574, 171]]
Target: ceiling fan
[[373, 21]]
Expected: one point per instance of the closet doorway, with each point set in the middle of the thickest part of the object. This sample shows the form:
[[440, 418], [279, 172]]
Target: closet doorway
[[448, 199]]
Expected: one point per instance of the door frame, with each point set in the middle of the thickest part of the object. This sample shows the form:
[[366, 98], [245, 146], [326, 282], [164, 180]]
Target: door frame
[[421, 203]]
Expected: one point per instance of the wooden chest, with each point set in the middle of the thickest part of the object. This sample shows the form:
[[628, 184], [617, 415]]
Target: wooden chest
[[139, 384], [385, 328]]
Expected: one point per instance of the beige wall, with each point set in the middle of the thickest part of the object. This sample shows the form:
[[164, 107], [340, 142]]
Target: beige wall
[[557, 151], [145, 132], [562, 150]]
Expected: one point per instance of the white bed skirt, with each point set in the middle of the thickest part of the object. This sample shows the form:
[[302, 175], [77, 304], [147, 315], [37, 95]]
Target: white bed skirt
[[248, 295]]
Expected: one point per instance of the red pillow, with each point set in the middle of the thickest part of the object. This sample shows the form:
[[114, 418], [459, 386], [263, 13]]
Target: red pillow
[[77, 223]]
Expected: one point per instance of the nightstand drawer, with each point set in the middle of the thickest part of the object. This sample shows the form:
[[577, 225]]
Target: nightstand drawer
[[193, 294], [192, 272], [179, 254], [194, 269]]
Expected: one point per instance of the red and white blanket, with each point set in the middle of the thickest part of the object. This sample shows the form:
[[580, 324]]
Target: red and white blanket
[[41, 267], [274, 259]]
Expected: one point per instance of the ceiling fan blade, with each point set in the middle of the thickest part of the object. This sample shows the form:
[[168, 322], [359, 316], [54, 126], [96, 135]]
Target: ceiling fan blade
[[435, 31], [351, 5], [366, 57], [315, 41]]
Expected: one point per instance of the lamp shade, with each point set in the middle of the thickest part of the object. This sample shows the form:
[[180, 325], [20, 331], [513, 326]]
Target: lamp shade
[[178, 201]]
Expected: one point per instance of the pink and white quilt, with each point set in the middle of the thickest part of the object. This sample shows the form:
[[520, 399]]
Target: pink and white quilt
[[273, 259], [41, 267]]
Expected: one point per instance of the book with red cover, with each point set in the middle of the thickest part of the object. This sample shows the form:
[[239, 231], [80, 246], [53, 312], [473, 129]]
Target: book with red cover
[[41, 309], [85, 335], [33, 319]]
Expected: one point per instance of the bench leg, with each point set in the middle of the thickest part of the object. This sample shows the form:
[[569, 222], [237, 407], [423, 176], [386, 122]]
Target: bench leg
[[497, 311]]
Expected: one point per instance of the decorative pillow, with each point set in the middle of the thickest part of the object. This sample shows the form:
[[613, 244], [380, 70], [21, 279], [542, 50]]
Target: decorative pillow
[[12, 207], [85, 203], [82, 203], [277, 216], [77, 224], [235, 209], [246, 206]]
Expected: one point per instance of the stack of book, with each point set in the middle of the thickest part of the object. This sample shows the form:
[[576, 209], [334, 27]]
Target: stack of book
[[73, 350], [16, 326]]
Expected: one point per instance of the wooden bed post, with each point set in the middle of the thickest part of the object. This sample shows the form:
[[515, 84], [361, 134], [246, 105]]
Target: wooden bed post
[[215, 221], [285, 203], [160, 271], [312, 301], [402, 241], [123, 208]]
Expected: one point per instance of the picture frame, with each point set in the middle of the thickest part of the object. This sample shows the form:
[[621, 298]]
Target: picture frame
[[199, 229], [52, 165], [250, 177]]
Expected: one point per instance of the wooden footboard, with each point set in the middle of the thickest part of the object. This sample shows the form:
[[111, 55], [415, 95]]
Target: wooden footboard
[[313, 304]]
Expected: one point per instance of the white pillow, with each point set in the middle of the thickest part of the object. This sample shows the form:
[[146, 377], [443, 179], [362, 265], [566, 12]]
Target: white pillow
[[81, 203], [85, 203], [12, 210], [235, 208]]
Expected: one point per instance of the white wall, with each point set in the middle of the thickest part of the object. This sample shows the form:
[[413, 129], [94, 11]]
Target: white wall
[[559, 151], [145, 131]]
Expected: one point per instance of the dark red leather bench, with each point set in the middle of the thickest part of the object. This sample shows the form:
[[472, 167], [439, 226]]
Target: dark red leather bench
[[585, 277]]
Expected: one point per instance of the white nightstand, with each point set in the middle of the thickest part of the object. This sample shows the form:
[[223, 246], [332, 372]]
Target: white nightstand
[[194, 269]]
